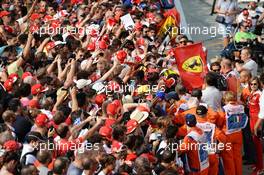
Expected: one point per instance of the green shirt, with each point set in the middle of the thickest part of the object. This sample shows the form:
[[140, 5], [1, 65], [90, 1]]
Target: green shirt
[[244, 36]]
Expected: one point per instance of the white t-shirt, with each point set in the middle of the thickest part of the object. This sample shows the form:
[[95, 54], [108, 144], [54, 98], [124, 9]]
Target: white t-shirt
[[212, 97], [252, 66]]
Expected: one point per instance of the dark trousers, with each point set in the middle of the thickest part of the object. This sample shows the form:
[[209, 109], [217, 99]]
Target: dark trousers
[[248, 144]]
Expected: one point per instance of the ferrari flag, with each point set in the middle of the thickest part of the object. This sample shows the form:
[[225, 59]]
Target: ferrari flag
[[192, 66]]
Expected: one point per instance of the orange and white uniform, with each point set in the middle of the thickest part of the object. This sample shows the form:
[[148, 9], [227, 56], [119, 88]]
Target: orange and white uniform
[[179, 119], [197, 157], [234, 120], [212, 134]]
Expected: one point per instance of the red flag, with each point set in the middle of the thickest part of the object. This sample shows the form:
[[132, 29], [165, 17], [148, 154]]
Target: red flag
[[192, 66]]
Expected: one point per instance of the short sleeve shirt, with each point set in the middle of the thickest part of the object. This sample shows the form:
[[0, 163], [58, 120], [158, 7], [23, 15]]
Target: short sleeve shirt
[[252, 66], [225, 6]]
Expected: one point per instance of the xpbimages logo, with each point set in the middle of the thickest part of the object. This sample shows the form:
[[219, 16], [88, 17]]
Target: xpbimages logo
[[212, 31], [209, 147], [140, 89], [66, 146]]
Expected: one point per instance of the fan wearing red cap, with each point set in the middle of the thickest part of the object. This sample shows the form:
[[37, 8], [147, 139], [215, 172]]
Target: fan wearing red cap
[[106, 133], [12, 145], [37, 90], [41, 122], [121, 55], [114, 109], [131, 125], [99, 99], [5, 16], [11, 82]]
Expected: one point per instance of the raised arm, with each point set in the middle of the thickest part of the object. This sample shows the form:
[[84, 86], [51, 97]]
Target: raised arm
[[26, 52]]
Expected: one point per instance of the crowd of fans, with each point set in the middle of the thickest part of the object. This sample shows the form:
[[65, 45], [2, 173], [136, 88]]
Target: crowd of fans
[[82, 93]]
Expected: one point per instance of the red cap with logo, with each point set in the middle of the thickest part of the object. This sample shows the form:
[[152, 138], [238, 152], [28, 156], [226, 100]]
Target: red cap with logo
[[8, 85], [13, 77], [37, 89], [41, 120], [131, 125]]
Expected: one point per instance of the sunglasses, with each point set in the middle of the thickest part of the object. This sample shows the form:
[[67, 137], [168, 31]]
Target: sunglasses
[[253, 84], [216, 70], [183, 42]]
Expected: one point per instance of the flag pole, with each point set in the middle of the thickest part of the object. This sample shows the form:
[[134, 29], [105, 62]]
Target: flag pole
[[213, 7], [184, 24]]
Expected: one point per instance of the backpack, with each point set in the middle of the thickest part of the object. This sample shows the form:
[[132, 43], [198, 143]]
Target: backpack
[[221, 82], [24, 157]]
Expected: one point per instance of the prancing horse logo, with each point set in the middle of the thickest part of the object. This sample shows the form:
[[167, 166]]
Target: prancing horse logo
[[193, 64]]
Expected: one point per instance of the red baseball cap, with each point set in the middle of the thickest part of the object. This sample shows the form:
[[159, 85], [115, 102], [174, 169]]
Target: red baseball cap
[[106, 132], [12, 145], [8, 85], [13, 77], [111, 109], [41, 120], [109, 122], [50, 45], [99, 99], [121, 56], [35, 16], [26, 74], [34, 104], [4, 13], [37, 89], [131, 125], [91, 46], [102, 45]]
